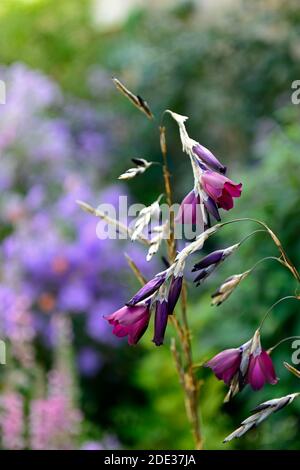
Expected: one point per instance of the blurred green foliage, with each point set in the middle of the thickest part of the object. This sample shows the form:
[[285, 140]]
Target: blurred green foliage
[[233, 77]]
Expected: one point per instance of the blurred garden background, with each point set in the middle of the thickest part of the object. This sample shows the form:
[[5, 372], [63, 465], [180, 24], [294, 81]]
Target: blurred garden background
[[66, 134]]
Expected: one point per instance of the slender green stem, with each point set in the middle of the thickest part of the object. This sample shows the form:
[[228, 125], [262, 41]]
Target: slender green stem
[[262, 260], [274, 305], [282, 341], [250, 235], [285, 259]]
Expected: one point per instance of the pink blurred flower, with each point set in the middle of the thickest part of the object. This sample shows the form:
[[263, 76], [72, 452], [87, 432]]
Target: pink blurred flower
[[12, 421]]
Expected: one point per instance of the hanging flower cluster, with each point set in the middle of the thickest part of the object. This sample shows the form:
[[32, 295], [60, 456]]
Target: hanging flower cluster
[[212, 189], [248, 364]]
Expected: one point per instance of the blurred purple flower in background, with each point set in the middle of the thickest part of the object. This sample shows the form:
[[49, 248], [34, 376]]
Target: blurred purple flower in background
[[53, 152]]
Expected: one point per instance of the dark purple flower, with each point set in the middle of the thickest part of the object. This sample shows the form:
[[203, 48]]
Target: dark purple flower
[[160, 322], [212, 208], [148, 289], [208, 157], [130, 321], [210, 262], [174, 293], [226, 364], [189, 211]]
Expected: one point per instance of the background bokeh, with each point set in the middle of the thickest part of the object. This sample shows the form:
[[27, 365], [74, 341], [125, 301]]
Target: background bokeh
[[65, 134]]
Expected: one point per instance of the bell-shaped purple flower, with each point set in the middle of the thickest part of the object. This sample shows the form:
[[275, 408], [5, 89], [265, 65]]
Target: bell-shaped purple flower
[[160, 322], [174, 293], [260, 369], [209, 158], [226, 364], [148, 289], [220, 188], [190, 210], [130, 321], [231, 366]]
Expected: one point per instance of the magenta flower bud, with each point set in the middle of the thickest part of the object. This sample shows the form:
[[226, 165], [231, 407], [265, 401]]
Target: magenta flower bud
[[130, 321], [160, 322], [174, 293], [208, 157], [261, 371], [220, 188], [226, 364], [148, 289], [189, 211]]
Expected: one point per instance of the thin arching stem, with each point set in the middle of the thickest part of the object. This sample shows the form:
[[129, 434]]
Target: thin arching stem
[[282, 341], [262, 260], [274, 305], [250, 235], [285, 259]]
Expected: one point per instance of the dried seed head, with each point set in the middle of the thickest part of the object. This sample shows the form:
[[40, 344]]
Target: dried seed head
[[136, 100], [263, 411], [292, 369], [142, 166], [226, 289]]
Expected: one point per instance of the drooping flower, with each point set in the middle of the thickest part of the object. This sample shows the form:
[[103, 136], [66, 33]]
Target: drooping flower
[[174, 292], [190, 210], [260, 369], [220, 188], [148, 289], [131, 321], [231, 367], [209, 158], [160, 321], [210, 262], [248, 364], [227, 287], [262, 412], [225, 364]]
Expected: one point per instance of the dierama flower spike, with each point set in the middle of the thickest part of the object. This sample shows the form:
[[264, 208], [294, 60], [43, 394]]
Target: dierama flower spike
[[210, 262], [263, 411], [220, 188], [130, 321]]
